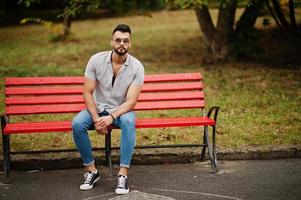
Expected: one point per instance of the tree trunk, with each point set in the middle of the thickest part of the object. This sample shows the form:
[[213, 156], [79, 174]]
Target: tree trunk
[[272, 13], [280, 15], [292, 13], [217, 41], [249, 16], [67, 26], [225, 36], [208, 30], [285, 24]]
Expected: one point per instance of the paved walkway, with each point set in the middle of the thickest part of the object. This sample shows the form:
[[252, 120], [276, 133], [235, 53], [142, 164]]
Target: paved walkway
[[256, 180]]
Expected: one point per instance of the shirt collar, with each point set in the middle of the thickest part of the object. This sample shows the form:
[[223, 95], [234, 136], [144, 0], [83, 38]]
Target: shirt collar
[[126, 63]]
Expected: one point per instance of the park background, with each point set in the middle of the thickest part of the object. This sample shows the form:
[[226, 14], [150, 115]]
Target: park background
[[257, 85]]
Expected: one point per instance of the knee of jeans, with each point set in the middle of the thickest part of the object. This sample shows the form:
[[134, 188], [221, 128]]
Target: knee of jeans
[[77, 126], [127, 121]]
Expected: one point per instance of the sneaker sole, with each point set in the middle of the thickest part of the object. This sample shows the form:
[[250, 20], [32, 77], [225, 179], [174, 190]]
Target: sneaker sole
[[121, 191], [91, 186]]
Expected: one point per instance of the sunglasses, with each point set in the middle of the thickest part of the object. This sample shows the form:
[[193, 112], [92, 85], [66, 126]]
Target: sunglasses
[[119, 40]]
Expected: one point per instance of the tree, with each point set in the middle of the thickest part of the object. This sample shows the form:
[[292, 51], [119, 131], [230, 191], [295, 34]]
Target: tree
[[279, 10], [72, 9], [220, 39]]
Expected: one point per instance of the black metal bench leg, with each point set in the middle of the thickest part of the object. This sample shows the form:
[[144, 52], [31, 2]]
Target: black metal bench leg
[[108, 150], [210, 151], [203, 152], [6, 151], [6, 157], [214, 145]]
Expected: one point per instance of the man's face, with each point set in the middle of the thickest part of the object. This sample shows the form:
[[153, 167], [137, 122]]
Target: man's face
[[121, 42]]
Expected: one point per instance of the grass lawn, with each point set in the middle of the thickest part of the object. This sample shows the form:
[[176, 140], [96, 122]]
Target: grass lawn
[[260, 99]]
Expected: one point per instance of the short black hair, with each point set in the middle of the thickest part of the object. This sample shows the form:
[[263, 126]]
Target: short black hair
[[122, 28]]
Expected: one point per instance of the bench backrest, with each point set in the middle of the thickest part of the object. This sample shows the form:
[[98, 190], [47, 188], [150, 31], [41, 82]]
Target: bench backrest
[[50, 95]]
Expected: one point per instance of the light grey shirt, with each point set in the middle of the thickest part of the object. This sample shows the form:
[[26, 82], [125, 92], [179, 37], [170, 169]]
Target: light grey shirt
[[107, 96]]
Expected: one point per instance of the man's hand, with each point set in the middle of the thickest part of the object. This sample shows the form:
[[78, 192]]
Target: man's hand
[[102, 123]]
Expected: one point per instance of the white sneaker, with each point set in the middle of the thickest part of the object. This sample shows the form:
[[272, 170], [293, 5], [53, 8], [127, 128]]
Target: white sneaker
[[122, 185], [90, 179]]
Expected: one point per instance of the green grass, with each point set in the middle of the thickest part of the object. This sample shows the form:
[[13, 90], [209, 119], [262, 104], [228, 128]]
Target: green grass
[[260, 100]]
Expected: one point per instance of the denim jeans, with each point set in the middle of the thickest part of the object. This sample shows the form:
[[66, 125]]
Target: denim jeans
[[84, 122]]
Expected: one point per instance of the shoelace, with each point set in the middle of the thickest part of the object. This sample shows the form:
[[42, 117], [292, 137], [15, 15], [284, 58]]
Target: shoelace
[[121, 182], [88, 176]]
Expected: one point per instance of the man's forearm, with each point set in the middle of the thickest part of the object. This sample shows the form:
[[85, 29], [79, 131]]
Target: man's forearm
[[124, 108], [129, 104], [90, 104]]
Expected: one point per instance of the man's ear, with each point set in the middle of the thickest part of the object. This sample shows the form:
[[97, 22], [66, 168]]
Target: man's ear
[[112, 43]]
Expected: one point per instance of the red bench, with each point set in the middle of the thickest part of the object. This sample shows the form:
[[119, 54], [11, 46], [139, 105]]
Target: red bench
[[58, 95]]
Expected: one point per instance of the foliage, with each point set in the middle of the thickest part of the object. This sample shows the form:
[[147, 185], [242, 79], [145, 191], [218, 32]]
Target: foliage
[[189, 3], [120, 7], [27, 3], [74, 8]]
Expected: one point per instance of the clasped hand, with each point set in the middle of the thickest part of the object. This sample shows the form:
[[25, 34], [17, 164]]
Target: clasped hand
[[102, 123]]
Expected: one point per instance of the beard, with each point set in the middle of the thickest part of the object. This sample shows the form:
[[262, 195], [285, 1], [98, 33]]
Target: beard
[[120, 51]]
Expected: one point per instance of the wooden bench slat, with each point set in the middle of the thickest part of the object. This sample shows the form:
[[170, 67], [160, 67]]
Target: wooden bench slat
[[34, 127], [44, 109], [72, 108], [44, 100], [79, 98], [44, 90], [172, 87], [174, 122], [173, 77], [63, 126], [162, 105], [10, 81], [79, 89]]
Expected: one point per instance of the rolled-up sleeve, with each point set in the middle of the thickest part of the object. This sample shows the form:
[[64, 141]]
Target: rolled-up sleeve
[[90, 69], [139, 76]]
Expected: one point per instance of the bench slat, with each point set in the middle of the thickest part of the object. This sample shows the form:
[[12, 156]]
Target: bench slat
[[44, 109], [63, 126], [173, 77], [44, 90], [174, 122], [79, 89], [72, 108], [162, 105], [44, 100], [80, 80], [79, 98], [14, 81]]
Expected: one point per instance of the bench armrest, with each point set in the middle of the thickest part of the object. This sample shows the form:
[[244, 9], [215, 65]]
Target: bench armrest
[[214, 109]]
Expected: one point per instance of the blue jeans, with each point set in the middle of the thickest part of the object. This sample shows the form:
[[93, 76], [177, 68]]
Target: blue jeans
[[84, 122]]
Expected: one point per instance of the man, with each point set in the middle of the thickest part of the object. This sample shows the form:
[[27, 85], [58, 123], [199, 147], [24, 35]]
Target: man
[[113, 81]]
